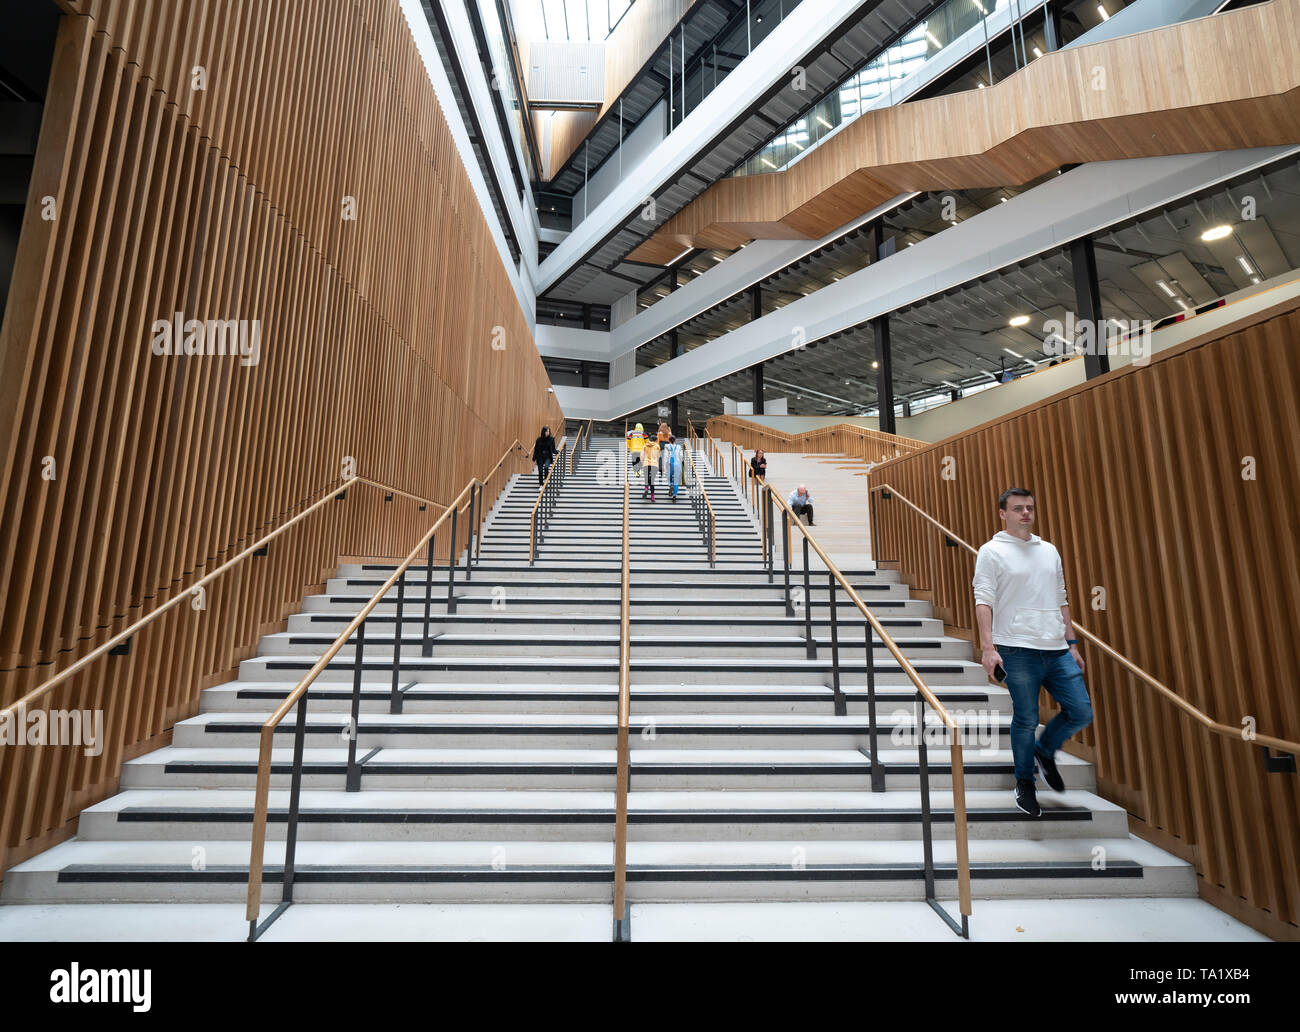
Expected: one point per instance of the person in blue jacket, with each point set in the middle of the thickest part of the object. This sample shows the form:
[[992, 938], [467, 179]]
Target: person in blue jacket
[[673, 461]]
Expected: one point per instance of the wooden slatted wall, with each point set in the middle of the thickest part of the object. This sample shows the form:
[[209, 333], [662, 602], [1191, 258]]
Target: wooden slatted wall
[[1143, 480], [127, 474]]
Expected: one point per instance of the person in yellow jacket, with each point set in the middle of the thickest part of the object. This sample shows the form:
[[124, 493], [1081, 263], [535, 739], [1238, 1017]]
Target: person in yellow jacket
[[635, 442], [650, 461]]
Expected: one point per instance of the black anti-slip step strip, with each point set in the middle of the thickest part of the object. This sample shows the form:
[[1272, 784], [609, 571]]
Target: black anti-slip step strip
[[1056, 869], [379, 727], [485, 567], [516, 600], [859, 770], [793, 623], [310, 815], [228, 874], [777, 586], [442, 638], [769, 664], [707, 693]]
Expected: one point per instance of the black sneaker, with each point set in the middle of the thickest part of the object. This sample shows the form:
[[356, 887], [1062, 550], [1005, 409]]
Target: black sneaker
[[1027, 798], [1050, 774]]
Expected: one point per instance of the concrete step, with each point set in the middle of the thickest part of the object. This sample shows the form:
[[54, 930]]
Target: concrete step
[[515, 870], [678, 769], [417, 697], [644, 670], [982, 728], [503, 621], [680, 644], [378, 813]]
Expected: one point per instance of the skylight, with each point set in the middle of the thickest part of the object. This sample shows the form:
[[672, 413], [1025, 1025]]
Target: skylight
[[577, 21]]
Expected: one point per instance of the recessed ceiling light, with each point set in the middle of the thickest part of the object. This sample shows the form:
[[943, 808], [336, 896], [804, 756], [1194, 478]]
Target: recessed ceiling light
[[1015, 353], [824, 122], [1254, 279], [1182, 303], [1019, 320], [1245, 265], [1165, 287], [979, 84], [875, 365], [1216, 232], [1037, 52], [1105, 14]]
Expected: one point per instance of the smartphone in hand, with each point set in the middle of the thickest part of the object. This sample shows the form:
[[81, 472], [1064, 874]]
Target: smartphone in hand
[[999, 674]]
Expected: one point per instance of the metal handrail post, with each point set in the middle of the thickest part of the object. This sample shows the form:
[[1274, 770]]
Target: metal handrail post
[[927, 832], [807, 605], [841, 709], [471, 533], [295, 798], [451, 564], [354, 728], [877, 769], [426, 644], [770, 537], [785, 557], [395, 702]]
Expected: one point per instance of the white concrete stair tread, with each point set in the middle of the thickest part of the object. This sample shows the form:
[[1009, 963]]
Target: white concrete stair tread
[[737, 801], [1148, 919], [1010, 920], [523, 852], [394, 757]]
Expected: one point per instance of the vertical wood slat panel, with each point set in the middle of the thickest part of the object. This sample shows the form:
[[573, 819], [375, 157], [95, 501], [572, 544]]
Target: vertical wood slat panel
[[376, 344], [1139, 480]]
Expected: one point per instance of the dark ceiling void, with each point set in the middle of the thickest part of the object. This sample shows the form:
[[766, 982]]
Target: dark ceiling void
[[26, 55]]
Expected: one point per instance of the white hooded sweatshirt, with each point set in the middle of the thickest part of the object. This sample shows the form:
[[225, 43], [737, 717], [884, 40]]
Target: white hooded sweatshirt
[[1024, 584]]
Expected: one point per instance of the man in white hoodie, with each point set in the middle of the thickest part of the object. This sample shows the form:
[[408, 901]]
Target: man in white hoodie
[[1024, 621]]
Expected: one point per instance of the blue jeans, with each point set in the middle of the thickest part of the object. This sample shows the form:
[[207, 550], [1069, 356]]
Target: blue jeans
[[1027, 671]]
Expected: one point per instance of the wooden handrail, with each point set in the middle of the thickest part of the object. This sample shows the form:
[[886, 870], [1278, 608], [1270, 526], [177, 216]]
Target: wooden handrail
[[263, 789], [578, 442], [904, 444], [1197, 714], [104, 647], [955, 749], [624, 720]]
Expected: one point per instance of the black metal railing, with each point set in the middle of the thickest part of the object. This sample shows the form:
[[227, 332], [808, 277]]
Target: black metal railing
[[765, 501], [703, 508], [581, 442], [470, 503], [548, 496]]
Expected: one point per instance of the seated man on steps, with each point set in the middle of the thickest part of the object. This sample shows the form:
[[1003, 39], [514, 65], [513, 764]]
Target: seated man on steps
[[800, 502], [1023, 617]]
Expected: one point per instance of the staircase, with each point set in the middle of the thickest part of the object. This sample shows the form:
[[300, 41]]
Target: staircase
[[495, 782]]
